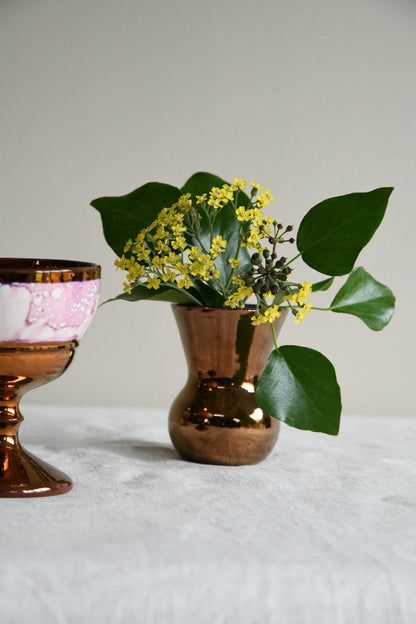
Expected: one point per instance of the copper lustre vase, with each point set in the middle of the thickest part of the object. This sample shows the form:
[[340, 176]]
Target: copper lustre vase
[[215, 418]]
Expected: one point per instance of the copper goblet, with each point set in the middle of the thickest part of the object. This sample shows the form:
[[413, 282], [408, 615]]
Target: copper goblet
[[45, 308]]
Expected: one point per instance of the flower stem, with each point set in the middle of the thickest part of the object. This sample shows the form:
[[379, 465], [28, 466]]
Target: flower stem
[[294, 258], [274, 337]]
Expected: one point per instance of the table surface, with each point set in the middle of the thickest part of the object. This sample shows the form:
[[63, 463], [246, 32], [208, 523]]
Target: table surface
[[321, 532]]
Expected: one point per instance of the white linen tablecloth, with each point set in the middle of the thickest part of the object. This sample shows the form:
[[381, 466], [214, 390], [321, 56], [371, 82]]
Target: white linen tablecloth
[[322, 532]]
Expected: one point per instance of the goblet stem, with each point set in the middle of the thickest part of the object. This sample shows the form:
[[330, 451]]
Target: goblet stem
[[22, 368]]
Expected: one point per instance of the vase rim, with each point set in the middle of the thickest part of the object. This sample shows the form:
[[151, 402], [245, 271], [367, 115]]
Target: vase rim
[[47, 270]]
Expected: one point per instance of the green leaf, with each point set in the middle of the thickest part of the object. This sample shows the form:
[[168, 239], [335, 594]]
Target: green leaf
[[363, 296], [202, 182], [299, 387], [332, 233], [209, 295], [324, 285], [163, 293], [123, 217]]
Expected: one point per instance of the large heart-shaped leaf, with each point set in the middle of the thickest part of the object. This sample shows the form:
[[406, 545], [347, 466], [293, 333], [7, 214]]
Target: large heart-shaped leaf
[[332, 233], [123, 217], [363, 296], [299, 387]]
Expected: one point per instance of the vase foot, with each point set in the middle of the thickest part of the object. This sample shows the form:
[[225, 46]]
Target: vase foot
[[23, 475]]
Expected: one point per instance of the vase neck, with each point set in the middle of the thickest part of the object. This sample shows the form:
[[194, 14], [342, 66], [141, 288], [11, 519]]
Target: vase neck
[[223, 343]]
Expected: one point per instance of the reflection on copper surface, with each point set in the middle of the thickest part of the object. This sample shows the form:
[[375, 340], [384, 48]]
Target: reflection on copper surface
[[215, 418], [248, 386]]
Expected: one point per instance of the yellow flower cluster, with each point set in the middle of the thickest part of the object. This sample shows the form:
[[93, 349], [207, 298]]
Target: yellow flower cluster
[[160, 253], [238, 298], [303, 312], [300, 296], [299, 299], [262, 226], [218, 197], [170, 252], [265, 198], [202, 265], [218, 245], [269, 315]]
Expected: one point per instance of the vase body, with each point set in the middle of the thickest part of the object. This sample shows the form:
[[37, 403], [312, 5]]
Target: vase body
[[215, 418]]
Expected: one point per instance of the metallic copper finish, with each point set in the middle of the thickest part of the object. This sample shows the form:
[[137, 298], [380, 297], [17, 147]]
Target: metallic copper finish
[[215, 418], [23, 367], [41, 270]]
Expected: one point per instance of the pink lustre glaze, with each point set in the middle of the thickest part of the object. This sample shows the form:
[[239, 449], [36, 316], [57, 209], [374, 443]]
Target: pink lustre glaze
[[47, 312]]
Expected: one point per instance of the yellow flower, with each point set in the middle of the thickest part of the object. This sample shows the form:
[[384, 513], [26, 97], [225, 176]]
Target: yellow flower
[[238, 281], [270, 314], [304, 292], [182, 268], [257, 186], [184, 202], [303, 312], [184, 282], [120, 263], [157, 262], [239, 297], [168, 275], [179, 242], [218, 197], [200, 199], [160, 233], [218, 245], [265, 198], [162, 248], [254, 238], [242, 214], [171, 258], [139, 240], [194, 253], [238, 184], [234, 263], [153, 282], [143, 254], [178, 228], [128, 245], [293, 298]]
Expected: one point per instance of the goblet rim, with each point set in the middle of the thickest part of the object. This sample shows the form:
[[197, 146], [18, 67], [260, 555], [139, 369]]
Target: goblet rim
[[17, 270]]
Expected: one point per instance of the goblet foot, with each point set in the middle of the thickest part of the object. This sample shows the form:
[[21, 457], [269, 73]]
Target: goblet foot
[[24, 475]]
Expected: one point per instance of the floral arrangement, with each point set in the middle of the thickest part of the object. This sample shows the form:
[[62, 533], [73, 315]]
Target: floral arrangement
[[210, 243]]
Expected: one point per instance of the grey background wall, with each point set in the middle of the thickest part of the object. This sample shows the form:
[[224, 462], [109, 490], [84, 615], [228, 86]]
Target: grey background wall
[[313, 98]]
